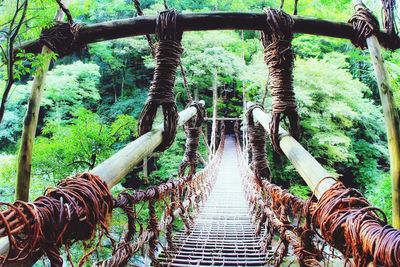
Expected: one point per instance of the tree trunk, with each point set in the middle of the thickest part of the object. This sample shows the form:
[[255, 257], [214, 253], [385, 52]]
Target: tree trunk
[[30, 123]]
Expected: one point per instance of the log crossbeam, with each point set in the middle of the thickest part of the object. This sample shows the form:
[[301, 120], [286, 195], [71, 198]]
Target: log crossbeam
[[209, 21]]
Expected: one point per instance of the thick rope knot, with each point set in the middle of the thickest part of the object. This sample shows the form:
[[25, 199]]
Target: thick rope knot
[[71, 211], [279, 57], [365, 24], [257, 137], [192, 131], [61, 38], [167, 54], [349, 223]]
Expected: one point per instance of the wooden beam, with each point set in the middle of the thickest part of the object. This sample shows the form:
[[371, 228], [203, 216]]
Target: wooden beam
[[208, 21], [31, 121], [306, 165], [113, 169]]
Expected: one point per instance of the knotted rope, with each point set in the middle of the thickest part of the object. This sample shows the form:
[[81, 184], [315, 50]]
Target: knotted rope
[[349, 223], [257, 136], [364, 23], [71, 211], [168, 52], [279, 57], [61, 38], [192, 130]]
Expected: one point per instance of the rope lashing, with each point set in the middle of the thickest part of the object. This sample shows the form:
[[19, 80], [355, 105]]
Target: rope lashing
[[257, 136], [71, 211], [364, 23], [168, 52], [61, 38], [279, 57], [349, 223], [192, 131]]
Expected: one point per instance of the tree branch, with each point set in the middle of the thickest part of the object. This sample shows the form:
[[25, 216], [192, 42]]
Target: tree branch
[[12, 34]]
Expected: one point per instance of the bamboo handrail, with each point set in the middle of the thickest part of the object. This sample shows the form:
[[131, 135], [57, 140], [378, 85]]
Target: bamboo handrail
[[306, 165]]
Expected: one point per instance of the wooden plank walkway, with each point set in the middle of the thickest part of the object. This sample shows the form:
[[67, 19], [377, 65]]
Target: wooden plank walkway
[[223, 234]]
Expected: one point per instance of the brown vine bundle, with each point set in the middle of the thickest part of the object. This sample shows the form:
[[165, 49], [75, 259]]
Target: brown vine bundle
[[279, 57], [161, 94]]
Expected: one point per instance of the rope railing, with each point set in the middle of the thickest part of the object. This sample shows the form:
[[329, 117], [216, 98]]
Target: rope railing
[[278, 212], [182, 197], [341, 216]]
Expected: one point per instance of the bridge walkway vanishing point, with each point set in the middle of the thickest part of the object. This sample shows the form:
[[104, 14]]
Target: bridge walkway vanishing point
[[223, 234]]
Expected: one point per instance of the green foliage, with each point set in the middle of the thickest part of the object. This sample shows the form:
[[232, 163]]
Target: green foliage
[[79, 144], [380, 194], [7, 174], [67, 88]]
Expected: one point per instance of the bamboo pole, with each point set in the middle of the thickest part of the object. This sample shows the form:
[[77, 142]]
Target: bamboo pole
[[392, 124], [117, 166], [391, 120], [207, 21], [306, 165], [31, 120]]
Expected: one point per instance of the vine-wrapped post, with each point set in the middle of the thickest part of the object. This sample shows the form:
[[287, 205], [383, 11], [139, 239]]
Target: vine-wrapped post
[[367, 25], [279, 57], [161, 93]]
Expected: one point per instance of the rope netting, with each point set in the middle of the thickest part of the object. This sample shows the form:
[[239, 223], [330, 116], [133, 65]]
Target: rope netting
[[182, 197], [271, 209], [341, 218]]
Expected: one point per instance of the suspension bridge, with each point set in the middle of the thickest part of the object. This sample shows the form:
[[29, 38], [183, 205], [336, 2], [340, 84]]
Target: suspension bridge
[[231, 212]]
